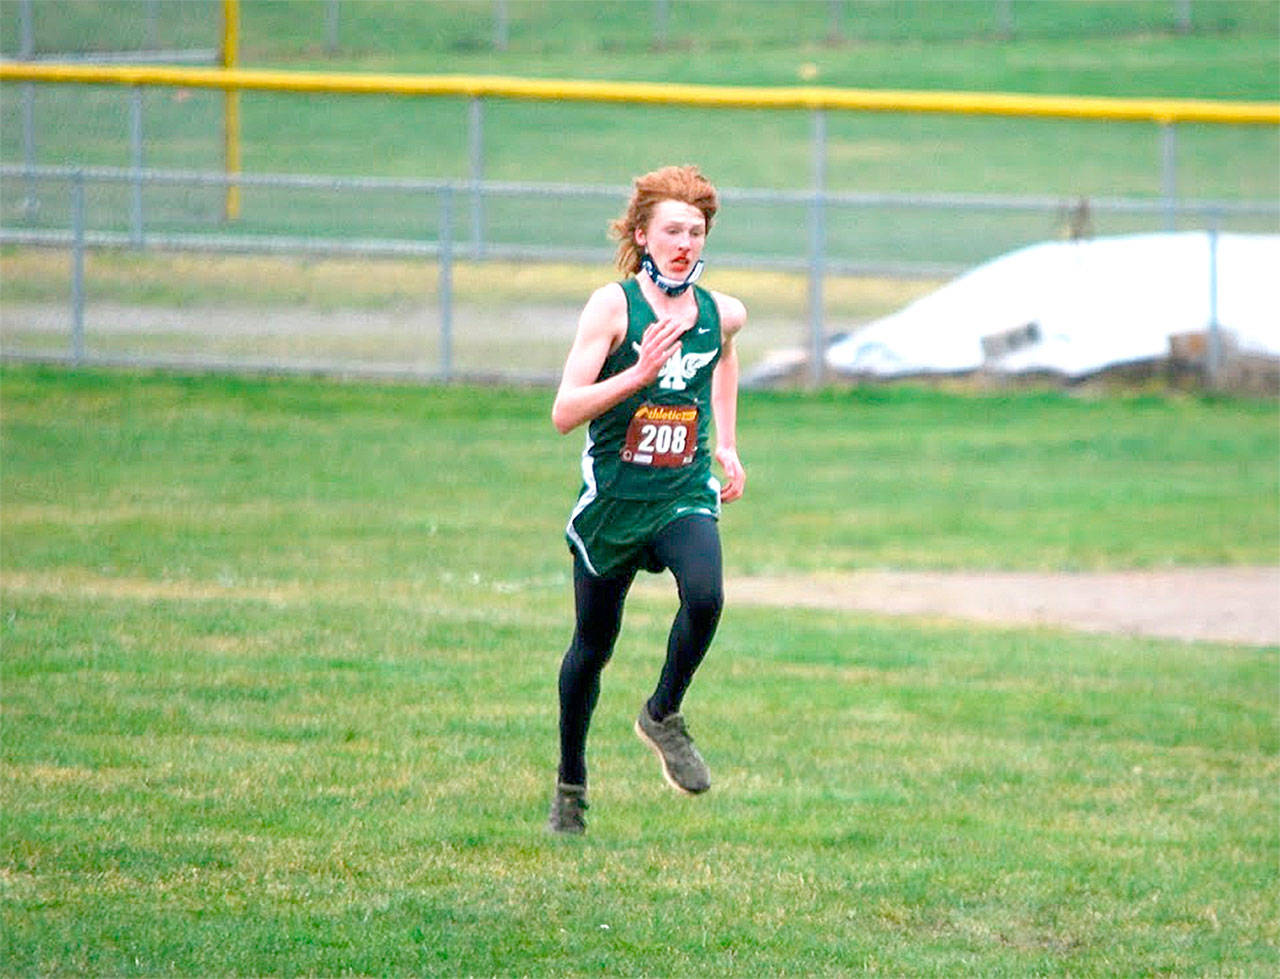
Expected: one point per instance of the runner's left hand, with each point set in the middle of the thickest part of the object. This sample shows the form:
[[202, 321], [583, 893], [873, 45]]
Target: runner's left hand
[[735, 477]]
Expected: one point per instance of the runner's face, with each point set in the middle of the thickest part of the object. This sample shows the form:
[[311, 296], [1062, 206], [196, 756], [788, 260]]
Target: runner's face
[[674, 237]]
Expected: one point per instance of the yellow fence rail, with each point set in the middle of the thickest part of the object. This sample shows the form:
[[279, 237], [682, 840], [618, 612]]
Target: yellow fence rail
[[1162, 111]]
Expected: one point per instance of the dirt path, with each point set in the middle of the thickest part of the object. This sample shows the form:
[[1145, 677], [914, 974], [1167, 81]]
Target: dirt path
[[1236, 604]]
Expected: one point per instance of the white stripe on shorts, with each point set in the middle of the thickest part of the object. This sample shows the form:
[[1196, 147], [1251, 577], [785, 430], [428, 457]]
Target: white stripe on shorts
[[588, 497]]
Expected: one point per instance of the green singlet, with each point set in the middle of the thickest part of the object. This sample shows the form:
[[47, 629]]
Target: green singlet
[[646, 461]]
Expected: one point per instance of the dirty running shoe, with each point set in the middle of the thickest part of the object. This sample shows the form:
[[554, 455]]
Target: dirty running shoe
[[567, 809], [682, 766]]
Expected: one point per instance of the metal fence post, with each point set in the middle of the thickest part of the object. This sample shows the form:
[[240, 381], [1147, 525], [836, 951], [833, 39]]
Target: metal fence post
[[661, 17], [153, 25], [230, 58], [446, 281], [501, 25], [77, 268], [1169, 174], [135, 160], [1004, 20], [1213, 359], [477, 175], [331, 28], [27, 51], [26, 31], [817, 250], [30, 203], [1182, 16], [835, 31]]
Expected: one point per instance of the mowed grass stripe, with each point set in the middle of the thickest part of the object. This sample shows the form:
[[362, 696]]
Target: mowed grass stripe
[[273, 481]]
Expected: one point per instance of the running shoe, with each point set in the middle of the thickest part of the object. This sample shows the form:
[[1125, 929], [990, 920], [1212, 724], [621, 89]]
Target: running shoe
[[682, 766], [567, 809]]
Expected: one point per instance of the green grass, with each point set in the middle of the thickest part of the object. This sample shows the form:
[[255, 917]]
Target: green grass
[[278, 31], [278, 676], [865, 478]]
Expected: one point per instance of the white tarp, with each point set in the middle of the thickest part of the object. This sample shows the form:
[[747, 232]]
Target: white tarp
[[1080, 306]]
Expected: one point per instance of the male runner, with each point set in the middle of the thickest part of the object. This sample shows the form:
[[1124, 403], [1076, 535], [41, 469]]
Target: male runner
[[653, 362]]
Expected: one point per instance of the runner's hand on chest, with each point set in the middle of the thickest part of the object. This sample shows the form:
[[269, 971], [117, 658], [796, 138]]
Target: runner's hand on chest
[[661, 339]]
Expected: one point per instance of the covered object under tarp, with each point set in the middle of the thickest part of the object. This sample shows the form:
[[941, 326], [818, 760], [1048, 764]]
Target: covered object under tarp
[[1079, 307]]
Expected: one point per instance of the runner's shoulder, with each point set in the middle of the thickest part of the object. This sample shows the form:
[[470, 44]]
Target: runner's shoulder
[[606, 311], [609, 299], [733, 313]]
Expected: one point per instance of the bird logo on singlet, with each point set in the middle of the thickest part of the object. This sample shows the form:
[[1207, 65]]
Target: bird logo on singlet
[[679, 370]]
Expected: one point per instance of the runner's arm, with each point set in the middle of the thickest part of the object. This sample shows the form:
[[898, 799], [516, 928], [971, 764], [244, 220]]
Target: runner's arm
[[602, 326], [724, 398]]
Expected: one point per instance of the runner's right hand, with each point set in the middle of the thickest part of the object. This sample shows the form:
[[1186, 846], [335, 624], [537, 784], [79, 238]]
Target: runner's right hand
[[660, 340]]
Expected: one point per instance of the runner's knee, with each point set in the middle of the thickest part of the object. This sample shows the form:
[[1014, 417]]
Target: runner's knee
[[703, 598], [585, 654]]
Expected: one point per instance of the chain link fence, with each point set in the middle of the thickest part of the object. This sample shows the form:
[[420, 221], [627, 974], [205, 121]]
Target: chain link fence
[[118, 247], [112, 268]]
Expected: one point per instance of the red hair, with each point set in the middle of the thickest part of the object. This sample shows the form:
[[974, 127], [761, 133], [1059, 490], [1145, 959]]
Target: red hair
[[685, 184]]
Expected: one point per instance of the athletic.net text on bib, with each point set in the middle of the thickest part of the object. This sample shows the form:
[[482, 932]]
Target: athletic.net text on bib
[[662, 436]]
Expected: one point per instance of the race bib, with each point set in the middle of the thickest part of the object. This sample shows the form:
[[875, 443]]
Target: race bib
[[663, 436]]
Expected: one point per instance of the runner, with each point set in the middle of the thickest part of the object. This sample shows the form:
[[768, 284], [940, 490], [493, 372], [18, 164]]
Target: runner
[[652, 364]]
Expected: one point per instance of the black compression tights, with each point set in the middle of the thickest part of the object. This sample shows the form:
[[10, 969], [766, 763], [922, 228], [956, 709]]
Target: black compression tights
[[690, 547]]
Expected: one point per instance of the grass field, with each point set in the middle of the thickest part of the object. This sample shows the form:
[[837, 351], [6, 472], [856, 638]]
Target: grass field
[[278, 675], [707, 38]]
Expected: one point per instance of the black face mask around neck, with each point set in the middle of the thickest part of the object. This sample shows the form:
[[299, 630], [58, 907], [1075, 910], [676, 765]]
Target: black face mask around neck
[[672, 287]]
